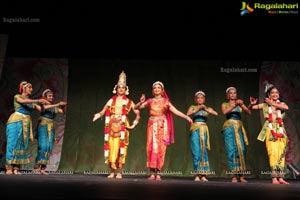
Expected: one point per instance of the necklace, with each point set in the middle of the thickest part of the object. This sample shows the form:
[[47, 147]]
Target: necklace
[[279, 134], [107, 128]]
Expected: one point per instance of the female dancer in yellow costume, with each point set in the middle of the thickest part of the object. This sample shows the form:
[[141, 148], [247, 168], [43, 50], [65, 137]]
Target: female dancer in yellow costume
[[273, 131]]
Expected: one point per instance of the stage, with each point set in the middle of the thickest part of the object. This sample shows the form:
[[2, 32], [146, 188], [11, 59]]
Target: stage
[[94, 186]]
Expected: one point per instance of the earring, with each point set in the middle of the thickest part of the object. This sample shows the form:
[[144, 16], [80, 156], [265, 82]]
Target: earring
[[115, 91], [127, 91]]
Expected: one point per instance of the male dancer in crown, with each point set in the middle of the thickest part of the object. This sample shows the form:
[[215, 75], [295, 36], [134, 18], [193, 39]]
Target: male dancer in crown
[[117, 126]]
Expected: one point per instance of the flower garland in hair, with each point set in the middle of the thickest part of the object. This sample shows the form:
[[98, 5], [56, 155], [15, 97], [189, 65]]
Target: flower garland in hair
[[279, 134], [107, 128]]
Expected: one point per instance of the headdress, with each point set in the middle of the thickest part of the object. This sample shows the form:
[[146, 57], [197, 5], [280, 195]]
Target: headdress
[[230, 88], [121, 81], [268, 86], [23, 85], [200, 92], [158, 82], [44, 94]]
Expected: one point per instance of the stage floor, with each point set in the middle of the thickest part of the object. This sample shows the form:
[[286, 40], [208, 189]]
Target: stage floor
[[82, 186]]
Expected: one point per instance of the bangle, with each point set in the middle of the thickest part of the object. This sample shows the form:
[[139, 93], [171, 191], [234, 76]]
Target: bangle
[[135, 122]]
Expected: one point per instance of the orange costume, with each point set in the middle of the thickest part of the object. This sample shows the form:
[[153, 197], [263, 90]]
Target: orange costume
[[158, 132]]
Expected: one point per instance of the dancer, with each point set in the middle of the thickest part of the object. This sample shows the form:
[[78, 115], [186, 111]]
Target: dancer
[[116, 132], [160, 131], [273, 131], [199, 137], [46, 131], [234, 134], [19, 128]]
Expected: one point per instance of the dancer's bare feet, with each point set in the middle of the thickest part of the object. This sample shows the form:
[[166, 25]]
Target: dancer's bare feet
[[204, 179], [197, 178], [158, 178], [152, 177], [16, 172], [119, 175], [234, 180], [111, 175], [44, 172], [243, 180], [281, 181], [275, 181]]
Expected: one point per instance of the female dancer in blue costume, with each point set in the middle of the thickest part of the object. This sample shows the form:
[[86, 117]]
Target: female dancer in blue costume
[[234, 134], [199, 138], [46, 131], [273, 131], [19, 128]]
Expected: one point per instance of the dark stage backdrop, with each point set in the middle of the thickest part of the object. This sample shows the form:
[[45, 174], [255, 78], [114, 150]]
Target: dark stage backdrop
[[90, 86]]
